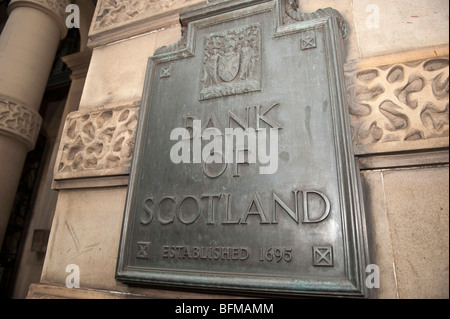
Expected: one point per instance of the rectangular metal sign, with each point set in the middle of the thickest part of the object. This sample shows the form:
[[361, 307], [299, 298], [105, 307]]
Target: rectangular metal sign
[[243, 176]]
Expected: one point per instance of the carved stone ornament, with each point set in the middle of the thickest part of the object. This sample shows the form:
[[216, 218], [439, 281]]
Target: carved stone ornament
[[19, 122], [116, 20], [97, 142], [112, 12], [401, 102]]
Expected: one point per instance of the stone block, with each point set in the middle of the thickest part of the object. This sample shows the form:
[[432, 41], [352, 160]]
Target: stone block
[[379, 234], [117, 72], [387, 26], [418, 213], [345, 9], [86, 233], [168, 36]]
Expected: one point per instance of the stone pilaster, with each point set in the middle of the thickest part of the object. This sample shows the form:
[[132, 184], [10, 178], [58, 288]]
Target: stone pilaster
[[28, 45], [54, 8]]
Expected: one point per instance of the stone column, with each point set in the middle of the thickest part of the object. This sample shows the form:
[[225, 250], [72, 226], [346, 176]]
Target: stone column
[[28, 45]]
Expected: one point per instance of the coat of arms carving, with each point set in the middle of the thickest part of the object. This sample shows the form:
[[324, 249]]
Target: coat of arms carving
[[232, 63]]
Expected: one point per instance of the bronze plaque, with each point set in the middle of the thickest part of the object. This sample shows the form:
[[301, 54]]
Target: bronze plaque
[[244, 177]]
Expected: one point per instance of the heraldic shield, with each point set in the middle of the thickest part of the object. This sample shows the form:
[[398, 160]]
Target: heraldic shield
[[229, 66], [232, 62]]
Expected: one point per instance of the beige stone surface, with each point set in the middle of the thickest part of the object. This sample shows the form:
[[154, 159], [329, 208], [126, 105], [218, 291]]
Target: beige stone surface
[[408, 228], [345, 8], [26, 55], [379, 233], [117, 72], [418, 212], [398, 27], [53, 8], [168, 36], [86, 232], [402, 25]]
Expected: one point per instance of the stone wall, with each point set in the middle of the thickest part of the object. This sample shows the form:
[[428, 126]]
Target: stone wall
[[397, 80]]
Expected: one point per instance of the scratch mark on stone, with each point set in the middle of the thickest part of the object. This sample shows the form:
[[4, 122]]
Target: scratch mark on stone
[[74, 236]]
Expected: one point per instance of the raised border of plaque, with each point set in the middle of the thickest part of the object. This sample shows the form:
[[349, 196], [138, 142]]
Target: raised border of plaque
[[247, 79]]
